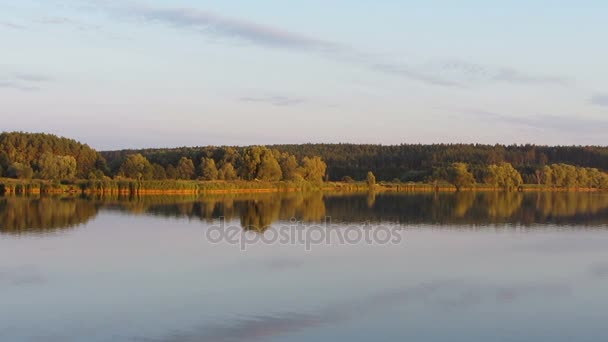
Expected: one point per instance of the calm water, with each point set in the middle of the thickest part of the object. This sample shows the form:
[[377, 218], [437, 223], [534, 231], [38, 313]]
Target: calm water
[[468, 267]]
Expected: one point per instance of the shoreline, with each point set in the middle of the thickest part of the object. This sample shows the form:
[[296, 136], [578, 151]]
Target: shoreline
[[174, 187]]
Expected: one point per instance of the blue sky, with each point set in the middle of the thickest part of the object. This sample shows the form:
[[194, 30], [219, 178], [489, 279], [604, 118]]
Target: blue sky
[[119, 74]]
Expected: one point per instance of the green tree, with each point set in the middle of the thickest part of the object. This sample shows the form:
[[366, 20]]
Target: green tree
[[289, 166], [269, 168], [20, 171], [171, 172], [252, 158], [4, 162], [227, 172], [547, 175], [185, 168], [582, 177], [56, 167], [371, 180], [208, 169], [136, 166], [158, 172], [313, 169], [459, 175], [504, 176]]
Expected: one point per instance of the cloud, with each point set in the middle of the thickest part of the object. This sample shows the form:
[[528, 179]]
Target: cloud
[[474, 72], [275, 100], [599, 100], [572, 124], [63, 21], [23, 81], [215, 24], [11, 25], [408, 72], [31, 77], [444, 74], [54, 20], [17, 86]]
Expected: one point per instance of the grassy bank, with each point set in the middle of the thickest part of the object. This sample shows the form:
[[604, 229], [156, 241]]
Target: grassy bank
[[185, 187]]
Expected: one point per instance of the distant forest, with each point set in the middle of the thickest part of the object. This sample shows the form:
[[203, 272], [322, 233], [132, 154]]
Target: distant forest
[[406, 163], [46, 156]]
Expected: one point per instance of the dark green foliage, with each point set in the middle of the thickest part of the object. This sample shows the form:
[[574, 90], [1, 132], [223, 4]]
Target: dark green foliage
[[504, 176], [269, 168], [209, 170], [52, 166], [227, 172], [20, 171], [185, 168], [569, 176], [158, 172], [28, 148], [410, 163], [459, 176], [137, 167]]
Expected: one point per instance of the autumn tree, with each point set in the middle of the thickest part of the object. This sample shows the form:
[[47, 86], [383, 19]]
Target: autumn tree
[[185, 168], [227, 172], [503, 176], [371, 180], [171, 172], [313, 169], [269, 168], [208, 169], [459, 175], [289, 166], [158, 172], [56, 167], [136, 166], [20, 171], [251, 160]]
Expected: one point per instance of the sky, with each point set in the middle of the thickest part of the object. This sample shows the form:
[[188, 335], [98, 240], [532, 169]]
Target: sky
[[152, 73]]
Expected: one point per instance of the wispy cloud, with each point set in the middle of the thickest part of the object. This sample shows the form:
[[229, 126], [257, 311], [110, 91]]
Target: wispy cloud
[[411, 73], [64, 21], [23, 81], [275, 100], [444, 74], [474, 72], [32, 77], [546, 122], [215, 24], [10, 25], [599, 100], [17, 86]]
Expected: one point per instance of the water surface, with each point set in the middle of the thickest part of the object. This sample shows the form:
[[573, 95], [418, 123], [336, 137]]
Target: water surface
[[470, 267]]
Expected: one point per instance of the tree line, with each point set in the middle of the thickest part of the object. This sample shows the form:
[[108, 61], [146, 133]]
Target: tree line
[[46, 156], [251, 163], [505, 176], [27, 155]]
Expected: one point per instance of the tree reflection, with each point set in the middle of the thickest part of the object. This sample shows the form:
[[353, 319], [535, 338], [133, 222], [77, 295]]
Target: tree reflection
[[257, 212], [22, 215]]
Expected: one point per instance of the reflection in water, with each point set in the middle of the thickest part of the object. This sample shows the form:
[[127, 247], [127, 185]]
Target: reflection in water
[[22, 215], [258, 211]]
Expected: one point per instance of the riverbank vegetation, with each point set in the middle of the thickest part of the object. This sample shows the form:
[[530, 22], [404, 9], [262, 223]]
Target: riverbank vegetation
[[32, 163]]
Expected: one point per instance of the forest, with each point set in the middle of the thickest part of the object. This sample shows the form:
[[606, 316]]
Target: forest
[[46, 156]]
